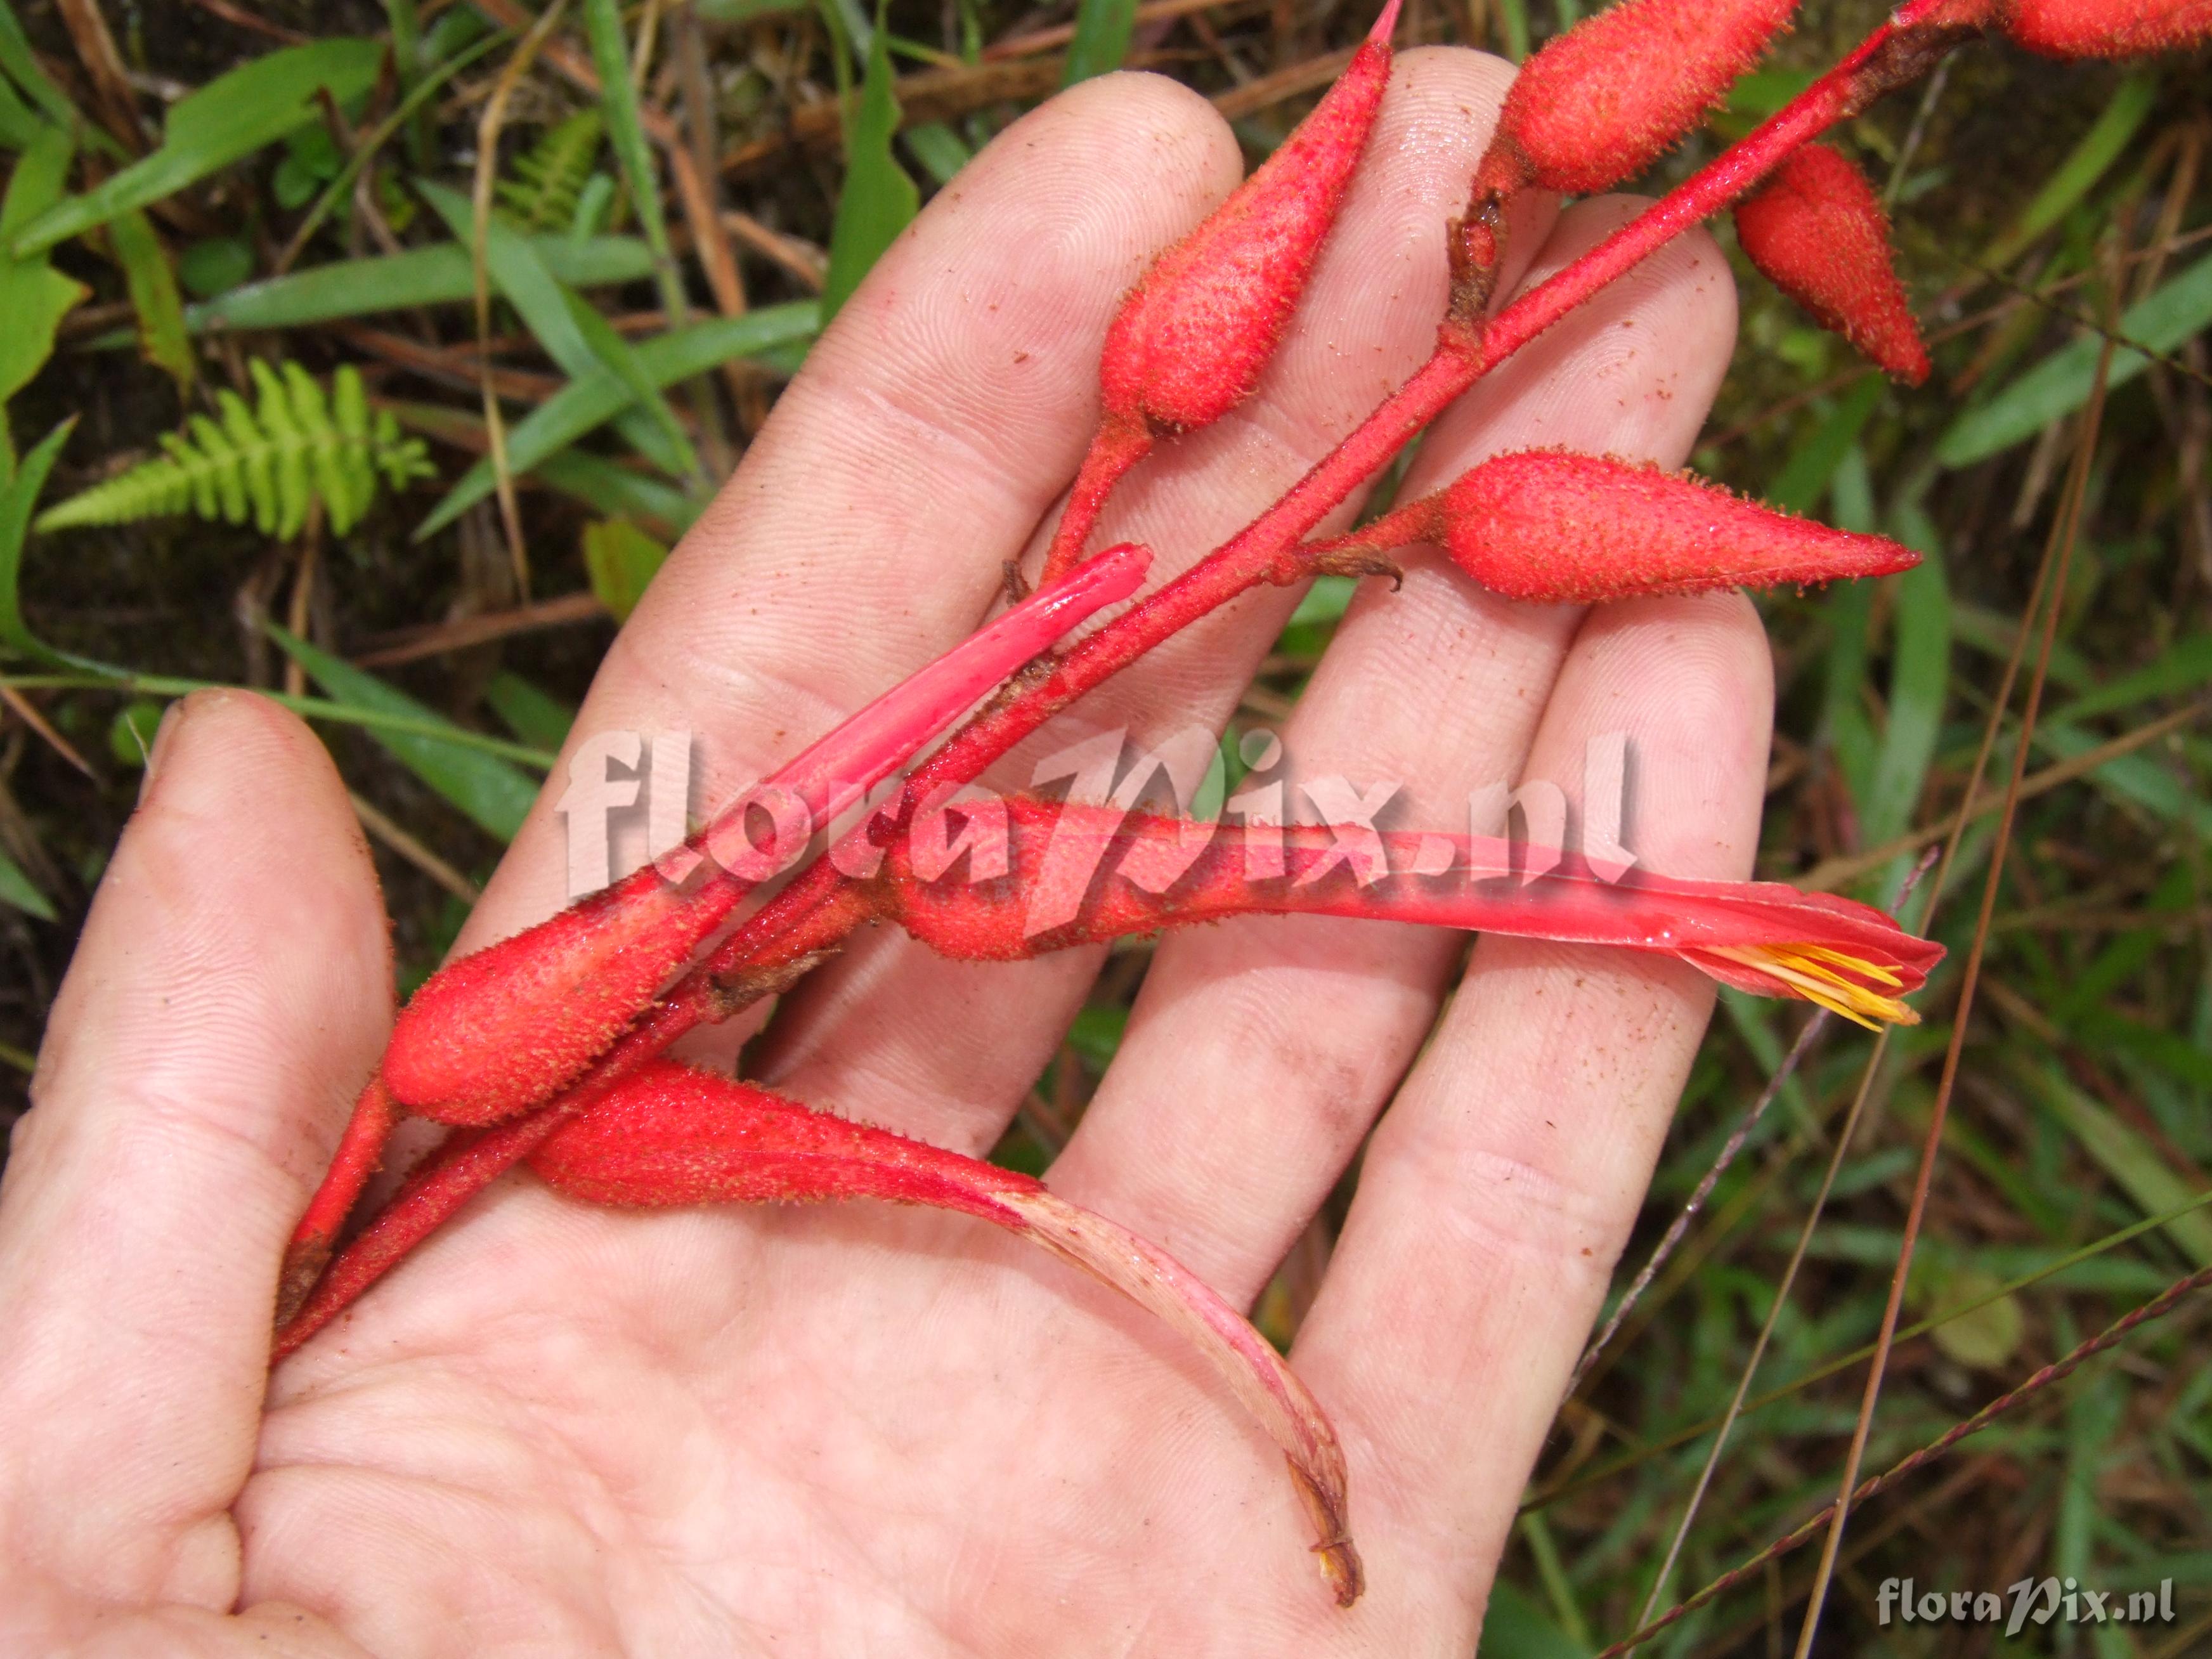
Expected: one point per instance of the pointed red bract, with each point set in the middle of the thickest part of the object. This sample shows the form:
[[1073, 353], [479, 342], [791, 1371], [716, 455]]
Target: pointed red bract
[[1606, 99], [2105, 28], [1192, 338], [1553, 527], [1817, 231], [671, 1136], [1194, 334]]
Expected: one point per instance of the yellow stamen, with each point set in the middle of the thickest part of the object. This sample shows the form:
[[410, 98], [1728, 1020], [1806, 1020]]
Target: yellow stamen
[[1812, 970]]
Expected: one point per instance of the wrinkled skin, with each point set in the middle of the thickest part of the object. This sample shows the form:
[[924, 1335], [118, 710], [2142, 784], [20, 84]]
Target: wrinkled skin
[[867, 1431]]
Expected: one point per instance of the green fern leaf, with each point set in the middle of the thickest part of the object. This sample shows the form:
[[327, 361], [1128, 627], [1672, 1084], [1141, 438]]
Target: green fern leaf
[[271, 461], [545, 181]]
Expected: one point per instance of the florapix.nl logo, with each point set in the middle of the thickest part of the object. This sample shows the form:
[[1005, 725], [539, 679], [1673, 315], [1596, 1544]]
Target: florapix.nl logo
[[630, 798]]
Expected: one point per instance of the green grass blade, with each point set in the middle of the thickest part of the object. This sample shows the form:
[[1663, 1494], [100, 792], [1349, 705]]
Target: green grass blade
[[1103, 28], [2060, 384], [1513, 1626], [35, 297], [622, 561], [2090, 160], [1919, 684], [2186, 665], [526, 282], [608, 347], [878, 200], [941, 151], [1805, 477], [17, 501], [494, 793], [20, 125], [588, 401], [228, 118], [1513, 28], [152, 283], [614, 491], [18, 889], [536, 716], [2131, 1161], [22, 67], [633, 154], [399, 281]]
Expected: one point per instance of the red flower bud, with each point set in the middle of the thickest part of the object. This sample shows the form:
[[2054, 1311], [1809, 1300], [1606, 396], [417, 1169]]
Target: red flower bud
[[1192, 336], [1604, 100], [1816, 229], [1557, 528], [2105, 28]]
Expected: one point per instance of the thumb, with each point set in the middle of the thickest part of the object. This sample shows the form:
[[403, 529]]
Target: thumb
[[230, 993]]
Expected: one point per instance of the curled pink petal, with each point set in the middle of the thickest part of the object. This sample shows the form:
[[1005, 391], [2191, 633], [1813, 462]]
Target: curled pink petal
[[668, 1135]]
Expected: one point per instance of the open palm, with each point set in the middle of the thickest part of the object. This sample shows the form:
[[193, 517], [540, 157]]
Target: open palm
[[869, 1431]]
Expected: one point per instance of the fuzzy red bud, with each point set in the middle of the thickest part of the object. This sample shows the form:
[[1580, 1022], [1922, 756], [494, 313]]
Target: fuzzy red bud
[[1606, 99], [1192, 336], [1557, 528], [2105, 28], [1817, 231]]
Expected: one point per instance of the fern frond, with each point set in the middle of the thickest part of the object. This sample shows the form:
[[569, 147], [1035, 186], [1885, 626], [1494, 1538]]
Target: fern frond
[[269, 461], [545, 181]]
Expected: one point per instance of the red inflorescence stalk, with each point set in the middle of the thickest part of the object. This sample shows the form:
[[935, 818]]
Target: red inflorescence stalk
[[1817, 231], [505, 1028], [671, 1136], [818, 908], [1190, 341], [1552, 527]]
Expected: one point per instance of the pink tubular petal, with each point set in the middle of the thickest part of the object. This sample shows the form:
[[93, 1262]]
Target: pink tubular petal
[[668, 1135], [1764, 936], [512, 1025], [1817, 231]]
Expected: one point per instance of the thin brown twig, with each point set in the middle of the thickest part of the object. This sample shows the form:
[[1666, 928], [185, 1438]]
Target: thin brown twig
[[1805, 1039], [239, 17], [1692, 1207], [1736, 1405], [411, 644], [2069, 534], [807, 265], [27, 712], [399, 842], [1831, 873], [488, 128], [2157, 1308]]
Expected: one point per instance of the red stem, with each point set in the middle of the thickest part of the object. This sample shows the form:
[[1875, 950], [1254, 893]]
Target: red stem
[[1116, 448]]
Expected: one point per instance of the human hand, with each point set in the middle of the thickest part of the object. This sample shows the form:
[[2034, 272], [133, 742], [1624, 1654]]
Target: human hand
[[865, 1430]]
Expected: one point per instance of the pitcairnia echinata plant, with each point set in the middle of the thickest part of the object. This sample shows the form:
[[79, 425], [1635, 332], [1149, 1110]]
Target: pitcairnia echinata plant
[[549, 1049]]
